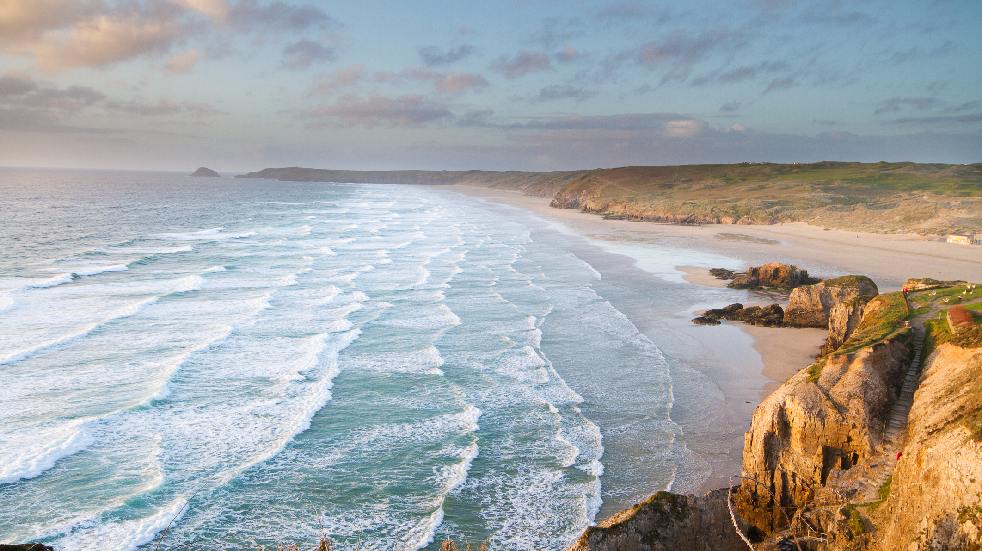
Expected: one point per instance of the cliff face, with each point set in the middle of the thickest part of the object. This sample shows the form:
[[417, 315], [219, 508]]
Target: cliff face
[[812, 428], [935, 500], [834, 303], [663, 522]]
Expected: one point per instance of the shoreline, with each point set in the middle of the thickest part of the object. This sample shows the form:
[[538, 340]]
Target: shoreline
[[723, 365]]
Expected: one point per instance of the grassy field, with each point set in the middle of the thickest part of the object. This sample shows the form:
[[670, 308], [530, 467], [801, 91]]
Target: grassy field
[[887, 197]]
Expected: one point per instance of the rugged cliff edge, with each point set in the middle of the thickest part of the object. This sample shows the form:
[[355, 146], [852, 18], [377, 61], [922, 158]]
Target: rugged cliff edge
[[662, 522], [861, 451], [935, 494], [824, 420]]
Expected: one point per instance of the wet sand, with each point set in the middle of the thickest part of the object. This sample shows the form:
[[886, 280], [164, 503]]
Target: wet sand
[[734, 365]]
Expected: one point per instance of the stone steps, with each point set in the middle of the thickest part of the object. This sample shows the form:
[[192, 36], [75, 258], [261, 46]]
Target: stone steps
[[896, 423]]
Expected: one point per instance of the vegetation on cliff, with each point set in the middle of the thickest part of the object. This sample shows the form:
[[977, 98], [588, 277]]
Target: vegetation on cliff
[[880, 197]]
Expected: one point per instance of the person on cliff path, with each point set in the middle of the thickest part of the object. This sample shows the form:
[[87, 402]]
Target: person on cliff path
[[899, 455]]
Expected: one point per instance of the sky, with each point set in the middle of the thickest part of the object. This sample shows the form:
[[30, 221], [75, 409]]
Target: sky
[[239, 85]]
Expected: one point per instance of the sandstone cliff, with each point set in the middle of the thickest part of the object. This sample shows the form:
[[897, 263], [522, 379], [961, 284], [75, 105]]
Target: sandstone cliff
[[666, 522], [834, 303], [935, 499]]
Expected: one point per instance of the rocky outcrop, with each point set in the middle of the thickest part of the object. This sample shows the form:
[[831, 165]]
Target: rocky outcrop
[[924, 283], [769, 316], [204, 172], [836, 304], [824, 420], [773, 275], [935, 499], [25, 547], [666, 522]]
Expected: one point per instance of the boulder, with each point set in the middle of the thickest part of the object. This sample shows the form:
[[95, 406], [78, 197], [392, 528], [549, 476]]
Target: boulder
[[771, 315], [721, 273], [773, 275]]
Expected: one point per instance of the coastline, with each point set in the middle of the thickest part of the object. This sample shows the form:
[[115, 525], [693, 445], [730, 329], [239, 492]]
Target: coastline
[[738, 363]]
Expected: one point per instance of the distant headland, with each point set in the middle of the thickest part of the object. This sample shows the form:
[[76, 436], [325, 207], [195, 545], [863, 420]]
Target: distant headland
[[205, 172]]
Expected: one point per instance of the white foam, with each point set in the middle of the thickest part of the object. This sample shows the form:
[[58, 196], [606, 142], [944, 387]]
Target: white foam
[[215, 269], [210, 234], [123, 535], [26, 456], [97, 269], [51, 281]]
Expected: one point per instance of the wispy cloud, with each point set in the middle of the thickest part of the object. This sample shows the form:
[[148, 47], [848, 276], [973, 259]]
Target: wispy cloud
[[371, 111], [304, 53], [564, 91], [433, 56], [521, 64]]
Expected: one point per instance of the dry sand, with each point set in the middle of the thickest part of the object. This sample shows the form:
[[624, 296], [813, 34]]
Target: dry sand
[[744, 379]]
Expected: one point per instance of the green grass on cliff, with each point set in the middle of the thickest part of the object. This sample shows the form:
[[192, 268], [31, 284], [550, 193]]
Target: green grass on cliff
[[886, 314]]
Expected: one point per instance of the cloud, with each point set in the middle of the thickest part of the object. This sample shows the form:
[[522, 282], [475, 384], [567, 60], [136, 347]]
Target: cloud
[[182, 62], [680, 52], [522, 63], [68, 34], [782, 83], [163, 108], [23, 93], [29, 105], [894, 105], [433, 56], [408, 110], [279, 16], [682, 128], [304, 53], [741, 73], [340, 79], [458, 83], [569, 54], [557, 30], [107, 39], [563, 91], [730, 107], [968, 118], [822, 15], [216, 9]]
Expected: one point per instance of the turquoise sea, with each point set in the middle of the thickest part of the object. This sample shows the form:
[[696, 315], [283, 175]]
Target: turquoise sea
[[250, 361]]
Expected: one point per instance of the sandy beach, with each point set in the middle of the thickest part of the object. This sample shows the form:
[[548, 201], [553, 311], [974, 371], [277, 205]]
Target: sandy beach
[[739, 363]]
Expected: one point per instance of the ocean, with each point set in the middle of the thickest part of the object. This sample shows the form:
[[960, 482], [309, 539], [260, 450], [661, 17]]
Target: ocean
[[223, 363]]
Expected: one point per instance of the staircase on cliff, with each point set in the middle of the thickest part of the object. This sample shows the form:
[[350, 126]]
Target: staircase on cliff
[[901, 408], [883, 466]]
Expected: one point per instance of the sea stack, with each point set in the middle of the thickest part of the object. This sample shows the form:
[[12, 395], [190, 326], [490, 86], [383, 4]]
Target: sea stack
[[204, 172]]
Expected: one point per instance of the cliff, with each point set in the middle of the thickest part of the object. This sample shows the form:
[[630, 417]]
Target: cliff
[[662, 521], [819, 464], [826, 419], [935, 499], [834, 303]]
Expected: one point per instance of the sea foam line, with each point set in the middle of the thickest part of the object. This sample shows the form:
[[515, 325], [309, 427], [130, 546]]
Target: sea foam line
[[184, 284]]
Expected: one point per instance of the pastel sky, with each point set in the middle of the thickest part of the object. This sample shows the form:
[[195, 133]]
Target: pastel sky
[[512, 84]]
